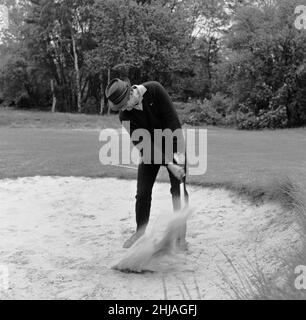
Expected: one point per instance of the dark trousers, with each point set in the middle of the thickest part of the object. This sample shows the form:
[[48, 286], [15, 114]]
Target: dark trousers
[[146, 177]]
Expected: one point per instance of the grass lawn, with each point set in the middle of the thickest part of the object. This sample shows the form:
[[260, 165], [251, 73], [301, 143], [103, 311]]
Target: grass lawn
[[252, 163], [39, 119], [38, 143]]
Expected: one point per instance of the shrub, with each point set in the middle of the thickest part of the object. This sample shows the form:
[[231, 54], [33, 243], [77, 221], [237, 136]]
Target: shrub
[[24, 102], [205, 113], [272, 119], [220, 103], [230, 120], [260, 97], [91, 106]]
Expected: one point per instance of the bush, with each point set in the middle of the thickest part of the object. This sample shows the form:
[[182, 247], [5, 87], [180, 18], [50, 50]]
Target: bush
[[24, 102], [260, 98], [205, 113], [272, 119], [230, 120], [220, 103], [91, 106]]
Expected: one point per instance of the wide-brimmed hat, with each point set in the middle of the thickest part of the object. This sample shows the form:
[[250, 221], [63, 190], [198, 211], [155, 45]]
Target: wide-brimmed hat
[[118, 93]]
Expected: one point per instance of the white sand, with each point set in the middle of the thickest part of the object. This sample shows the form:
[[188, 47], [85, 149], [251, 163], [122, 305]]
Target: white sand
[[59, 238]]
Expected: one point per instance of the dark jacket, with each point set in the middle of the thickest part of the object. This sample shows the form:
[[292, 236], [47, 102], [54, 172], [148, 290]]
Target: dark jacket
[[158, 113]]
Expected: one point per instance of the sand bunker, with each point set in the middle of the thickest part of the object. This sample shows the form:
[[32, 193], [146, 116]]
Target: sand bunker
[[60, 236]]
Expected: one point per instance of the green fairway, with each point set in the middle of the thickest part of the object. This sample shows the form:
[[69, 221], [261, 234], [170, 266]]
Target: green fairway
[[12, 118], [250, 163], [235, 158]]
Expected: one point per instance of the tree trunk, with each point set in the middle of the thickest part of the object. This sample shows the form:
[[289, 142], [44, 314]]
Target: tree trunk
[[209, 64], [102, 98], [77, 74], [108, 81], [53, 96]]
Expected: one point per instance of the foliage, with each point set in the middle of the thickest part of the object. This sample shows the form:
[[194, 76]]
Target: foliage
[[91, 106], [232, 54], [24, 102], [272, 119], [150, 41], [205, 113], [265, 53]]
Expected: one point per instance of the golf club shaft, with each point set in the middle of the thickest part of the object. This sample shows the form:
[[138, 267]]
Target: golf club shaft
[[126, 167], [182, 194]]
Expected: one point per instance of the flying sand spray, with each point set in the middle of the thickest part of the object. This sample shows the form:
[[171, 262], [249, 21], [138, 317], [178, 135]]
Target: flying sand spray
[[161, 240]]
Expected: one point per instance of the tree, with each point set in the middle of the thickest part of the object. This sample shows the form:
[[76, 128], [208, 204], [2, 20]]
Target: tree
[[56, 35], [139, 40], [266, 50]]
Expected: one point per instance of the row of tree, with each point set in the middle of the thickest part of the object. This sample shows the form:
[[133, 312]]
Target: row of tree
[[59, 55]]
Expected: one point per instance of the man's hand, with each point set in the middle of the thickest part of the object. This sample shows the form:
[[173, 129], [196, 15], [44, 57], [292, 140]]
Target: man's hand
[[177, 171], [179, 158]]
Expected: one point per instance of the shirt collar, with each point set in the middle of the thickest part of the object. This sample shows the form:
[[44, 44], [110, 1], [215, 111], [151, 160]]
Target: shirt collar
[[140, 91]]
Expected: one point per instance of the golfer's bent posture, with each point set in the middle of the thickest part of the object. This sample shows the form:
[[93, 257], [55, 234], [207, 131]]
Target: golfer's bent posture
[[148, 106]]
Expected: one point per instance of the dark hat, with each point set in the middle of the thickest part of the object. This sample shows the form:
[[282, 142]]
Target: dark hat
[[118, 93]]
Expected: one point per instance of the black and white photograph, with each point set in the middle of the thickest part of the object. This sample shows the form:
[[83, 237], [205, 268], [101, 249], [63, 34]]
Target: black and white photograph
[[153, 150]]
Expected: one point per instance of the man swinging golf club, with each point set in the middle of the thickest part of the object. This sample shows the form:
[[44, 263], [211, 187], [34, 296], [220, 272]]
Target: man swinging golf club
[[148, 106]]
